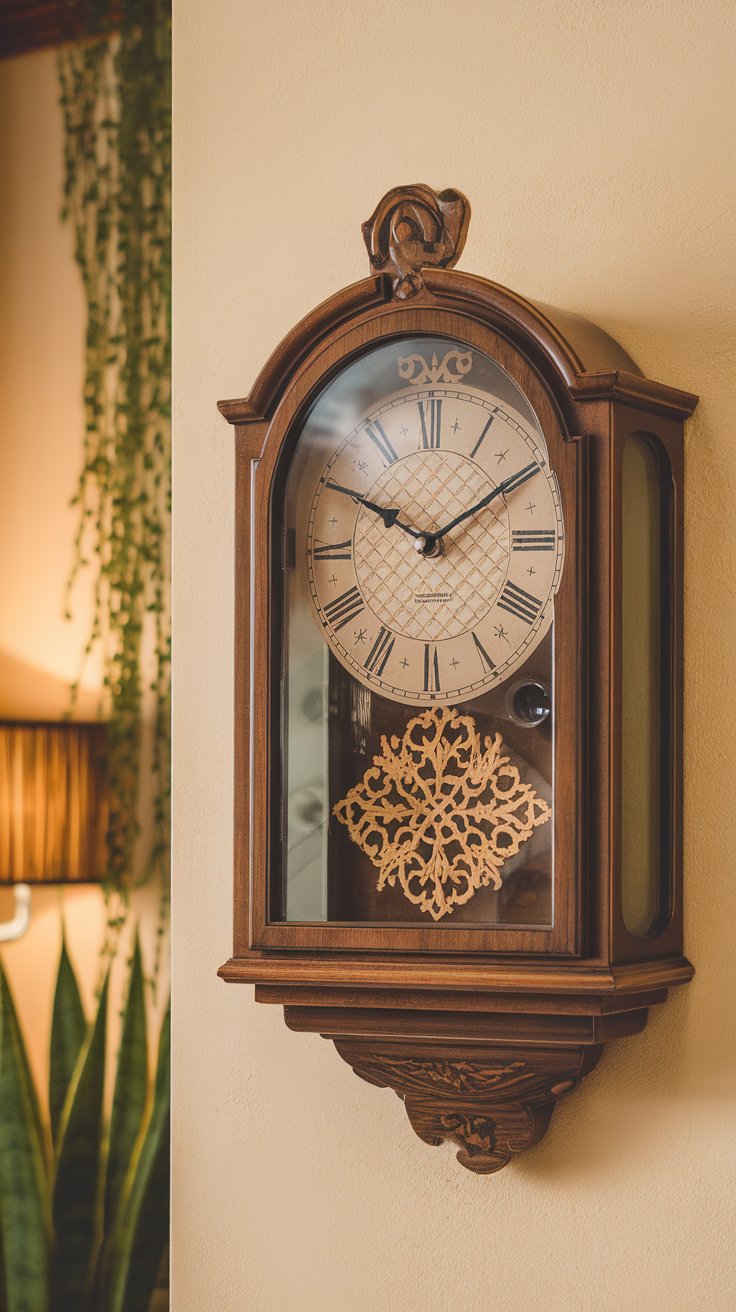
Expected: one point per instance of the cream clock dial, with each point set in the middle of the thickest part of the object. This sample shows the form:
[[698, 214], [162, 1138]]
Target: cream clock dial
[[435, 542]]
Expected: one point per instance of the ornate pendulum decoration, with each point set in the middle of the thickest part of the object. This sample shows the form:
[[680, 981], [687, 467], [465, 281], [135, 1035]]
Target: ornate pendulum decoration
[[441, 811]]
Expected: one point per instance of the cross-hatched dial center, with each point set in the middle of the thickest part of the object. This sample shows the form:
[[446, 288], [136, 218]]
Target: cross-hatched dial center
[[423, 597]]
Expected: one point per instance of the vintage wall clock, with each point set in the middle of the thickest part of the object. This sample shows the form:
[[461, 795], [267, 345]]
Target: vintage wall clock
[[458, 687]]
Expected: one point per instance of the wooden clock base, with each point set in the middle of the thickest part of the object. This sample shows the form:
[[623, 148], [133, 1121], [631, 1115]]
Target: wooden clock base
[[492, 1100], [488, 1082]]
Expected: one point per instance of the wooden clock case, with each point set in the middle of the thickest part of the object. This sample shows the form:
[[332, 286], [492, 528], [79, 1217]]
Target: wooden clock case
[[478, 1030]]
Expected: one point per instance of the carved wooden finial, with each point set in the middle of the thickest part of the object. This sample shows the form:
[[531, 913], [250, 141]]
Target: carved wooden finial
[[412, 227]]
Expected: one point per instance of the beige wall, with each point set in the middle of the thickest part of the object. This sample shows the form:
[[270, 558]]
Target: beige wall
[[595, 142], [42, 323]]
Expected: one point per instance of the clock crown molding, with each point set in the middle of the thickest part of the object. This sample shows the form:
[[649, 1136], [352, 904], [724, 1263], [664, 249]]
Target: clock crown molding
[[548, 337], [414, 238], [412, 227], [566, 347]]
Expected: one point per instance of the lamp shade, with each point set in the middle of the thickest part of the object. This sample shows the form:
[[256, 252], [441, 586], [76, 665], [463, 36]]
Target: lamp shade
[[53, 802]]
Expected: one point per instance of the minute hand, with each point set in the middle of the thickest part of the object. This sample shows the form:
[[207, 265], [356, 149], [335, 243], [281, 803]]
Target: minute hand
[[388, 515], [508, 485]]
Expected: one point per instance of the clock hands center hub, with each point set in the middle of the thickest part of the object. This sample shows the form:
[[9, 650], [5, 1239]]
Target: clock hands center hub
[[429, 546]]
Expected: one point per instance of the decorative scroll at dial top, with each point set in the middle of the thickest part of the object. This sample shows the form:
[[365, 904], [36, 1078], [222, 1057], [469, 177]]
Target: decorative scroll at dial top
[[441, 811]]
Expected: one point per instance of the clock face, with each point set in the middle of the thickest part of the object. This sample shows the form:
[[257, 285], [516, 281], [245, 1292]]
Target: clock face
[[434, 541]]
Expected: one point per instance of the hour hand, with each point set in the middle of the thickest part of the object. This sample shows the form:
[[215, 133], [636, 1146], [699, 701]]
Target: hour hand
[[508, 485], [389, 517]]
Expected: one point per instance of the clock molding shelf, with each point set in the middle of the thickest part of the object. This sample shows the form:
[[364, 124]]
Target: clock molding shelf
[[478, 1030]]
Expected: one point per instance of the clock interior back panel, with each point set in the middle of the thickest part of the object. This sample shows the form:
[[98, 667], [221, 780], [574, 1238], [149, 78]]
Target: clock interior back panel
[[524, 897]]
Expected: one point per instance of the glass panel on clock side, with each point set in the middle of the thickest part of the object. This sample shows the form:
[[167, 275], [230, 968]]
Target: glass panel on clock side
[[647, 494], [416, 695], [304, 714]]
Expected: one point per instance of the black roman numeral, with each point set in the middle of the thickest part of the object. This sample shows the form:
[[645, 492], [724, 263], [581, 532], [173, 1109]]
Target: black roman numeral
[[344, 609], [385, 449], [333, 551], [431, 669], [380, 652], [485, 659], [480, 439], [432, 411], [519, 603], [532, 539]]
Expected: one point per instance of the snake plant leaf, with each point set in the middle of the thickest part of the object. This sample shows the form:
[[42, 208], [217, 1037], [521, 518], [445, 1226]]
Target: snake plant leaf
[[68, 1031], [3, 1282], [131, 1088], [76, 1189], [32, 1095], [144, 1230], [23, 1186], [128, 1107]]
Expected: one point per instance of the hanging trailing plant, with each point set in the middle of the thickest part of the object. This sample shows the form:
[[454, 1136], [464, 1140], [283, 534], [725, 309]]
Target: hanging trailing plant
[[116, 100]]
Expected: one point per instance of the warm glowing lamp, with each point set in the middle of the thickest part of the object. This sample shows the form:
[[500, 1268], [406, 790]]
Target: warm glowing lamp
[[53, 808]]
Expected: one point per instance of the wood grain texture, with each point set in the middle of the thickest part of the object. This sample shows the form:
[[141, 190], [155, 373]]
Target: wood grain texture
[[299, 344], [262, 536], [27, 25], [397, 1023], [591, 364], [412, 228], [492, 1101], [457, 974], [549, 1004]]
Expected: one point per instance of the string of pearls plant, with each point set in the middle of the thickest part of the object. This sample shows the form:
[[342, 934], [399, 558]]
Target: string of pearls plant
[[116, 101]]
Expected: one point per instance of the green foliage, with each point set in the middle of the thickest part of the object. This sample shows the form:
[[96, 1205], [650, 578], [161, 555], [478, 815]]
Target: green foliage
[[68, 1030], [78, 1170], [88, 1234], [143, 1231], [23, 1171], [131, 1089], [116, 98]]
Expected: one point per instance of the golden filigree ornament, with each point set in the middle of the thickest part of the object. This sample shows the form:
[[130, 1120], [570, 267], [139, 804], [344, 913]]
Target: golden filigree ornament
[[441, 811], [415, 370]]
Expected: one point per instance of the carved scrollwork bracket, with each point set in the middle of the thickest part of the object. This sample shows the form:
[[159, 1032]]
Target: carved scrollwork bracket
[[413, 227], [492, 1102]]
